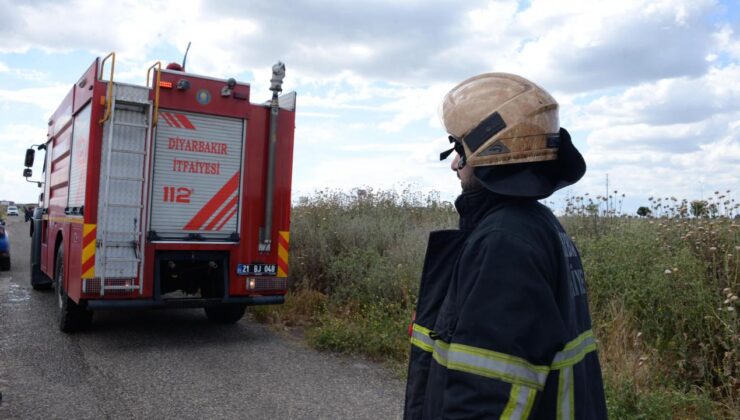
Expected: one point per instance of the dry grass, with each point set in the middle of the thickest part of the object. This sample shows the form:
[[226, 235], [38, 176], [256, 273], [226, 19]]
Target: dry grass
[[622, 352], [302, 308]]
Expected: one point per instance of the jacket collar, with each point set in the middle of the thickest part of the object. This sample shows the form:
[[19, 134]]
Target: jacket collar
[[473, 206]]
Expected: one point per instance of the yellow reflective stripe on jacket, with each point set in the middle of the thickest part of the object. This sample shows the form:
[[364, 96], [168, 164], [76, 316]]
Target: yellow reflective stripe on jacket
[[420, 338], [507, 368], [574, 351], [521, 400], [489, 364], [566, 395]]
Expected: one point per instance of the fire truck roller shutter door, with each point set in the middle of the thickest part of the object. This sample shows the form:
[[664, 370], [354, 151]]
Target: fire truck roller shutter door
[[197, 169]]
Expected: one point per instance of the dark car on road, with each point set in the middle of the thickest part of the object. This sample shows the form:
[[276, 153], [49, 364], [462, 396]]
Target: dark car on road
[[4, 248]]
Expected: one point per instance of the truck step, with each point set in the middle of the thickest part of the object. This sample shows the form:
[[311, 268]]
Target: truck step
[[115, 259], [132, 152], [120, 244], [128, 124], [127, 178], [132, 287], [121, 232], [131, 94], [128, 206]]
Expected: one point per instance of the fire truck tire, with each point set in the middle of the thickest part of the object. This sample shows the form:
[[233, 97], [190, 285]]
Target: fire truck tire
[[227, 314], [39, 280], [71, 317], [5, 264]]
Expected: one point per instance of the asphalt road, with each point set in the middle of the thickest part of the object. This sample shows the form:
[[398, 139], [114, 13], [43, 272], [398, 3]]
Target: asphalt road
[[169, 364]]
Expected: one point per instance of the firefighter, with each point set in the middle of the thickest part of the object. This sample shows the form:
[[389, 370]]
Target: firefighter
[[502, 327]]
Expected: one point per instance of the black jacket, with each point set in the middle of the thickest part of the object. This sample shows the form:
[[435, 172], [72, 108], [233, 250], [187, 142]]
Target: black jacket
[[502, 327]]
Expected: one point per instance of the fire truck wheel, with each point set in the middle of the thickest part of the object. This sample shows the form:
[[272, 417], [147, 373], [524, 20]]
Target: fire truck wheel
[[70, 316], [5, 264], [227, 314]]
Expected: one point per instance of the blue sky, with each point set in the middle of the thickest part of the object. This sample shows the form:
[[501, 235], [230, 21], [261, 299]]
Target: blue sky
[[650, 90]]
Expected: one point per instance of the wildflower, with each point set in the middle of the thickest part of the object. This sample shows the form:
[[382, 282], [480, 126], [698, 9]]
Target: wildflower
[[667, 271], [731, 308], [712, 248], [726, 290], [733, 298]]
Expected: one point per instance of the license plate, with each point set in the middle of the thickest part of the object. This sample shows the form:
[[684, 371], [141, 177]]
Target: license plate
[[256, 269]]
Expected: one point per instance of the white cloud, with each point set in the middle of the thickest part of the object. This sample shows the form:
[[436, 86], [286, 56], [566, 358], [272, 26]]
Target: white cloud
[[585, 45], [46, 98], [414, 104], [728, 42], [15, 138], [650, 160], [668, 101]]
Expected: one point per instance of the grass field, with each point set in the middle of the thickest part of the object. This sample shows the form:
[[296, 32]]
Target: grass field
[[663, 290]]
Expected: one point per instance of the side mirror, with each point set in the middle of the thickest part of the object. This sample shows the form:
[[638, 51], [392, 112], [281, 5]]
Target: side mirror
[[30, 154], [27, 173]]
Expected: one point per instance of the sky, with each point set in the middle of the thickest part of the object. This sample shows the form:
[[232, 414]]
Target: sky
[[649, 89]]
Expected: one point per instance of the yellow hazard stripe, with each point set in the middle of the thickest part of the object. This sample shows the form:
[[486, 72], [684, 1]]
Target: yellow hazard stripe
[[283, 253], [88, 251], [87, 228], [89, 274]]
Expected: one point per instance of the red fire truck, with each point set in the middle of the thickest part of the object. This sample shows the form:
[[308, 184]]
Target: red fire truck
[[173, 194]]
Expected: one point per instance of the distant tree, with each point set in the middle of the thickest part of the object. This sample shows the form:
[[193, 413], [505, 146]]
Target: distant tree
[[699, 208], [643, 211]]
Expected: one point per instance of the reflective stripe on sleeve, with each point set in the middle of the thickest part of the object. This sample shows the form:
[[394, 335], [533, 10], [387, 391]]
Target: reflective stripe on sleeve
[[420, 338], [575, 351], [521, 400]]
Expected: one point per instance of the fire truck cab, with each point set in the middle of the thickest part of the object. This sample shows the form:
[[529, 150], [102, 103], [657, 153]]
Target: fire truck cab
[[174, 194]]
